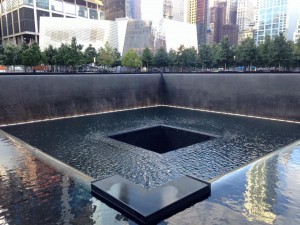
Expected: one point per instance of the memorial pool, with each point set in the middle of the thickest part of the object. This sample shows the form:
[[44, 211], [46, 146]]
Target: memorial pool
[[84, 143]]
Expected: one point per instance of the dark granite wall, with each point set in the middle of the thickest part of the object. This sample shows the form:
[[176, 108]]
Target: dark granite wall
[[31, 97], [267, 95]]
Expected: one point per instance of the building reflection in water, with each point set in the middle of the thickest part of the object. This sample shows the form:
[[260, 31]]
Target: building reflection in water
[[260, 194], [272, 188]]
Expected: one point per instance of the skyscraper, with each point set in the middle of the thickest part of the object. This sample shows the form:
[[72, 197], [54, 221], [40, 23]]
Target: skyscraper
[[231, 9], [122, 9], [245, 14], [274, 17], [168, 9], [178, 10], [192, 8], [223, 23], [20, 20], [201, 20]]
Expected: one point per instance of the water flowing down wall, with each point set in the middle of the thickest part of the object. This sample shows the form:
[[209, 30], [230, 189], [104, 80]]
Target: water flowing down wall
[[33, 97], [264, 95]]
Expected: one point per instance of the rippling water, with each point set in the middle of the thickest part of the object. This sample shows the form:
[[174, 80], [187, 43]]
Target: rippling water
[[82, 143]]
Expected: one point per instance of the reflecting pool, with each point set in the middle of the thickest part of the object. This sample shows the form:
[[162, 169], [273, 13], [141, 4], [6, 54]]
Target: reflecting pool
[[83, 143]]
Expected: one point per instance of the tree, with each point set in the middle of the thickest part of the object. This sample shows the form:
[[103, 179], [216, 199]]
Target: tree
[[74, 55], [297, 53], [12, 55], [50, 55], [131, 59], [216, 56], [205, 56], [246, 53], [59, 58], [282, 51], [32, 56], [226, 53], [179, 57], [189, 58], [172, 59], [265, 53], [2, 56], [147, 58], [106, 56], [161, 58], [117, 57], [90, 54]]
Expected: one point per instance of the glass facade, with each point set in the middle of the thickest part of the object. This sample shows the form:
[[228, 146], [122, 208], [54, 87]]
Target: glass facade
[[272, 19], [20, 18]]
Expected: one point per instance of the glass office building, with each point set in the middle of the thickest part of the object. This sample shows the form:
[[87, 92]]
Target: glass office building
[[20, 19], [274, 17]]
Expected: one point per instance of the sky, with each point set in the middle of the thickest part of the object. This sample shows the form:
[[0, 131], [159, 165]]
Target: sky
[[152, 9]]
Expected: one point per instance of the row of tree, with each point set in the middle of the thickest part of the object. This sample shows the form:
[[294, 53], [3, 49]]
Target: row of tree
[[277, 53]]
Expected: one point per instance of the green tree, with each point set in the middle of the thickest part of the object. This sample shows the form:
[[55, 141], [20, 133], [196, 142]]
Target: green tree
[[265, 53], [50, 55], [161, 58], [246, 53], [205, 56], [106, 56], [189, 58], [281, 51], [12, 55], [226, 53], [216, 53], [180, 61], [32, 56], [2, 56], [147, 58], [61, 56], [74, 55], [297, 53], [117, 57], [90, 54], [172, 59], [131, 60]]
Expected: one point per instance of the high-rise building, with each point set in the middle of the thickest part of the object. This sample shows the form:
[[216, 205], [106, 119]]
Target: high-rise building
[[115, 9], [231, 11], [245, 14], [178, 10], [201, 20], [274, 17], [223, 26], [168, 9], [297, 32], [20, 20], [136, 8], [191, 11]]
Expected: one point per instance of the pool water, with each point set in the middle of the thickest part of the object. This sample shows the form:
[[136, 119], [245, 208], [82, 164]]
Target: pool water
[[84, 143]]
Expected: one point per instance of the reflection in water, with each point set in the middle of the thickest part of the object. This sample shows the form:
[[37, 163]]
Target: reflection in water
[[260, 195]]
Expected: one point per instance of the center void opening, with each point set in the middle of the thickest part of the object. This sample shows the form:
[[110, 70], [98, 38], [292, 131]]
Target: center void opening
[[162, 139]]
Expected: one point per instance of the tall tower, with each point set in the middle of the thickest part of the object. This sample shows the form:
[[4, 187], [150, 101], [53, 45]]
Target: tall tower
[[178, 10], [245, 14], [168, 9], [274, 17], [201, 20], [122, 8], [192, 9], [231, 9]]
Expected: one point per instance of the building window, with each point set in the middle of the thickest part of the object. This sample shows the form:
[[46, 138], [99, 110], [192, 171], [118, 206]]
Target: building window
[[44, 4]]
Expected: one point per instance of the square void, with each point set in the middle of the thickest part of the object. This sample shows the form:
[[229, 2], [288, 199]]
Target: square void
[[161, 139]]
